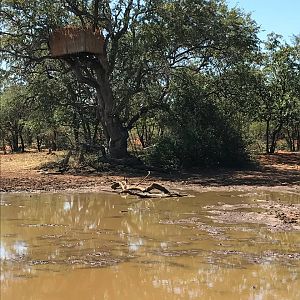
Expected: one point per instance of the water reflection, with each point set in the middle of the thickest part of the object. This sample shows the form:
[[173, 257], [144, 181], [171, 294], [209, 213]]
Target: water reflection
[[20, 248], [121, 248], [17, 249], [134, 244], [68, 205], [4, 254]]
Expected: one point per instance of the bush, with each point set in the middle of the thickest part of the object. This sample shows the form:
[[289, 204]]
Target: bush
[[163, 155], [201, 133], [205, 148]]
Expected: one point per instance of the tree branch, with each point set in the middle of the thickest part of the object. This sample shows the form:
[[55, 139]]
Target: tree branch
[[96, 11], [84, 79], [116, 37], [144, 110], [77, 12], [24, 56]]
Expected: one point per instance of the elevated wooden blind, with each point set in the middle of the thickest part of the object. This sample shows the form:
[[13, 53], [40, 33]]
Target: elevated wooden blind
[[73, 40]]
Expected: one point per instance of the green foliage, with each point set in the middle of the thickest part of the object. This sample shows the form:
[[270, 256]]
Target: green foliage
[[186, 75], [163, 154], [200, 133], [276, 89], [15, 107], [200, 148]]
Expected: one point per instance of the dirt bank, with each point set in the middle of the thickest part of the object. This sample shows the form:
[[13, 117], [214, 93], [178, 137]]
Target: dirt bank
[[19, 173]]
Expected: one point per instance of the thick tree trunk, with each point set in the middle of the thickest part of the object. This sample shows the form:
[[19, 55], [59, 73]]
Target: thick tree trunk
[[118, 138], [116, 133]]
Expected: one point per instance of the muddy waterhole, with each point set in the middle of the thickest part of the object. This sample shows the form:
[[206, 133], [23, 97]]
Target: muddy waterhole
[[104, 246]]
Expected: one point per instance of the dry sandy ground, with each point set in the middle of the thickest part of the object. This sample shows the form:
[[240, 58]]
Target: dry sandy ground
[[280, 172]]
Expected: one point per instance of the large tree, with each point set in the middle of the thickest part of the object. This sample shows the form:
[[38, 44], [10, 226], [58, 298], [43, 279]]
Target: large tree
[[277, 90], [15, 109], [144, 43]]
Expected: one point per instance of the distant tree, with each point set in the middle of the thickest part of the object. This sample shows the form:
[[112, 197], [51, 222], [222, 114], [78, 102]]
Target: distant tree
[[278, 90], [61, 104], [15, 108]]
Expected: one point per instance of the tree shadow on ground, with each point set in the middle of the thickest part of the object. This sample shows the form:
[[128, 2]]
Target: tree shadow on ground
[[282, 169], [272, 170]]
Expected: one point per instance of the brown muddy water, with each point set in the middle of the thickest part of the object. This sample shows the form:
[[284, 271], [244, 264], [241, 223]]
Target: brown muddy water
[[102, 246]]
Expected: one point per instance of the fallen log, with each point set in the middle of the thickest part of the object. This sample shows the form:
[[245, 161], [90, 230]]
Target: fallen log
[[145, 192]]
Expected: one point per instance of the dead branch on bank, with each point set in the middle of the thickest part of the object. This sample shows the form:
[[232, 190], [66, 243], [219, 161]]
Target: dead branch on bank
[[161, 191]]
